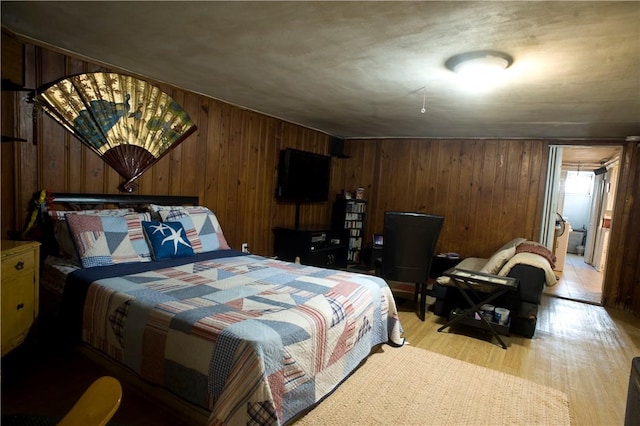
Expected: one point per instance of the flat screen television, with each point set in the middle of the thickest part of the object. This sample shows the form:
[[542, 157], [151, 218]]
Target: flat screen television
[[303, 176]]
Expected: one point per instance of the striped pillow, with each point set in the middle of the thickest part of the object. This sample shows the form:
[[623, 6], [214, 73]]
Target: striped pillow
[[61, 234], [107, 240], [201, 226]]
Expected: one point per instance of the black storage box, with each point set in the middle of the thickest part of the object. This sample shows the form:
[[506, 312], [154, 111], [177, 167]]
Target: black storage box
[[524, 321], [632, 415]]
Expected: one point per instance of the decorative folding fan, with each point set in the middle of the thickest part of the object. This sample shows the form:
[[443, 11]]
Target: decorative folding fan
[[128, 122]]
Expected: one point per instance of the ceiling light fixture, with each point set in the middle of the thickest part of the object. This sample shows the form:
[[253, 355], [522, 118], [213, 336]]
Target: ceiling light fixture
[[479, 67]]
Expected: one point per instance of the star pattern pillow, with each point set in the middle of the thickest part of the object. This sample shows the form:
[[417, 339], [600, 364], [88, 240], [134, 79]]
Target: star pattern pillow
[[167, 239]]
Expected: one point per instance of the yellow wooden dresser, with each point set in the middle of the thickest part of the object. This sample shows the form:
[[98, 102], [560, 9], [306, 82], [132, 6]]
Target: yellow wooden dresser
[[19, 279]]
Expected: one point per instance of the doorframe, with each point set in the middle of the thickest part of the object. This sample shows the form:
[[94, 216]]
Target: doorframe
[[550, 203], [554, 168], [604, 196]]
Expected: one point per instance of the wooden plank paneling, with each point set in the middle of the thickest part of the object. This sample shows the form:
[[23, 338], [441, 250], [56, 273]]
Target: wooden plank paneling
[[201, 118], [476, 204], [449, 171], [27, 171], [265, 183], [426, 188], [246, 184], [464, 196], [191, 166], [52, 136], [234, 144], [211, 172], [483, 188], [75, 176], [498, 207], [488, 190], [485, 197], [7, 173], [12, 60], [478, 186]]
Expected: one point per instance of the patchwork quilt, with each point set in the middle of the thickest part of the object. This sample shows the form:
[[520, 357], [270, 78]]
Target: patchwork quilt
[[254, 340]]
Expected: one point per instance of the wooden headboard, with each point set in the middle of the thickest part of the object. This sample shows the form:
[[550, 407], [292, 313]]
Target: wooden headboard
[[73, 201], [119, 200]]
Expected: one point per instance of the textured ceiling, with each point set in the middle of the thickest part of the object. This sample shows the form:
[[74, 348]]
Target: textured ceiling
[[360, 69]]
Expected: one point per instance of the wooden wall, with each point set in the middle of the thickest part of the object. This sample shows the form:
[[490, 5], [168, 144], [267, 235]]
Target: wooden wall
[[230, 162], [622, 271], [489, 191]]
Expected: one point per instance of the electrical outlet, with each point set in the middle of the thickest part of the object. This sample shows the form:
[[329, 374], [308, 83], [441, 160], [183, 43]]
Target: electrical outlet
[[245, 247]]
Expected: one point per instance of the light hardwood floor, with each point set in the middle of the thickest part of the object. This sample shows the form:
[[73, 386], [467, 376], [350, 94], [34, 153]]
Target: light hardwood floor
[[581, 349], [578, 281]]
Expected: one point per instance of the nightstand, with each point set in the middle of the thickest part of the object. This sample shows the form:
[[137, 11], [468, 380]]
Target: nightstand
[[19, 280]]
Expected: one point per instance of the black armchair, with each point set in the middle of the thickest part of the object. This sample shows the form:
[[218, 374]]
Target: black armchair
[[409, 242]]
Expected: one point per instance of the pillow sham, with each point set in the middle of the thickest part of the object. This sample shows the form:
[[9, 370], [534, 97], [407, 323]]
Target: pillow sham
[[106, 240], [201, 226], [501, 256], [60, 215], [155, 209], [158, 208], [62, 236], [167, 239]]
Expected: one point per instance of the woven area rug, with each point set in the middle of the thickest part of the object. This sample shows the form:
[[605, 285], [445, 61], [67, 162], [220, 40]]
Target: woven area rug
[[411, 386]]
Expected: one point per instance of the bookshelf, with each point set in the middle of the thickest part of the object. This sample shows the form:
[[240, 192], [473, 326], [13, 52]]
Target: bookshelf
[[350, 215]]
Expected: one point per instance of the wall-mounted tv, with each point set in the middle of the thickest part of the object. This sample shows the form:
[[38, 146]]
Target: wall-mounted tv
[[303, 176]]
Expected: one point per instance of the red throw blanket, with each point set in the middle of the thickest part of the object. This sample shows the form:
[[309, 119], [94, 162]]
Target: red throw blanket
[[539, 249]]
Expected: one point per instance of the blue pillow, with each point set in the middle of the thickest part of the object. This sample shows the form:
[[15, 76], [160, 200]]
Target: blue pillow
[[167, 239]]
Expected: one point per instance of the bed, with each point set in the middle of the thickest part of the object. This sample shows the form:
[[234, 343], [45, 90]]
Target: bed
[[251, 339]]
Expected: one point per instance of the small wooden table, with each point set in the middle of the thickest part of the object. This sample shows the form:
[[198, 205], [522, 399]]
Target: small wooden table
[[492, 286]]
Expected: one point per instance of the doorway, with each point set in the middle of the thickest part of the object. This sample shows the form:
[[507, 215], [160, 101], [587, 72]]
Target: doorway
[[579, 202]]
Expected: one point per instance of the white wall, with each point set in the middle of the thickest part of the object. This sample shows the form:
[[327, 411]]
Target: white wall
[[576, 210], [576, 205]]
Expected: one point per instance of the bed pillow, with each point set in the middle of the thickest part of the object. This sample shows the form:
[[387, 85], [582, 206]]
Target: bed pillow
[[106, 240], [158, 207], [155, 209], [66, 247], [501, 256], [60, 215], [201, 226], [167, 239]]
